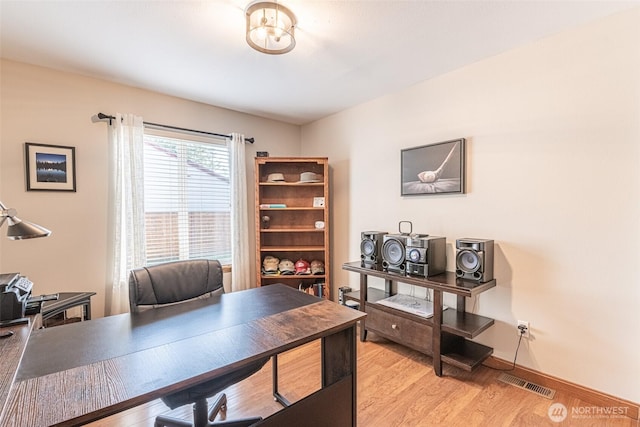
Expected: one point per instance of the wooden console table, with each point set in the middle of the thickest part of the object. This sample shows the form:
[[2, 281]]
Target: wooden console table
[[445, 336]]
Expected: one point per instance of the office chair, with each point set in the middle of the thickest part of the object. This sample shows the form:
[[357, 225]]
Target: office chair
[[175, 282]]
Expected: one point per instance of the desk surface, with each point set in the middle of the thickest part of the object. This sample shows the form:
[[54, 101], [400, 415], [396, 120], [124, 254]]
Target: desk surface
[[88, 370]]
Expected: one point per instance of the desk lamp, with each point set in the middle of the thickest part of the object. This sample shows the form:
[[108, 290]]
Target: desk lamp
[[15, 291], [18, 229]]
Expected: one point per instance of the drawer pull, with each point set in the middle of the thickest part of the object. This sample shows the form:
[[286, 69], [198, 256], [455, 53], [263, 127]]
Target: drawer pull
[[394, 326]]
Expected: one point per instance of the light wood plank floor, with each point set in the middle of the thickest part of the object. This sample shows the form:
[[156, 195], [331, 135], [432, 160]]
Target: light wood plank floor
[[396, 387]]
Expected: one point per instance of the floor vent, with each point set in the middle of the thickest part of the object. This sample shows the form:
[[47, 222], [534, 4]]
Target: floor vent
[[526, 385]]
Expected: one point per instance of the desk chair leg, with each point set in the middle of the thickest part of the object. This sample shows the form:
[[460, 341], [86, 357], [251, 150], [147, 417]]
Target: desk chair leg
[[162, 421], [246, 422], [201, 413], [276, 395], [219, 405]]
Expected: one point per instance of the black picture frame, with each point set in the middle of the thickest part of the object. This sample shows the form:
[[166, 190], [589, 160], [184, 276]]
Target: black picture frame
[[50, 167], [433, 169]]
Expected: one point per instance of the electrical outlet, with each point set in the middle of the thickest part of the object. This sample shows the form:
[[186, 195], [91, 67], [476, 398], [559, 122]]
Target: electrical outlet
[[523, 324]]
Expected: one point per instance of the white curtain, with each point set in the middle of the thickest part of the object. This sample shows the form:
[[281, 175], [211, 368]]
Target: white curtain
[[126, 205], [240, 259]]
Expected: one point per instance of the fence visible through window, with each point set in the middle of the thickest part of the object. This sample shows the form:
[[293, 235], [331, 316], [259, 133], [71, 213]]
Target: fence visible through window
[[187, 198]]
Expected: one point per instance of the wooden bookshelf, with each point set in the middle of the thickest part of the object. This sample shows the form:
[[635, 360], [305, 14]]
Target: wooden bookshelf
[[291, 232]]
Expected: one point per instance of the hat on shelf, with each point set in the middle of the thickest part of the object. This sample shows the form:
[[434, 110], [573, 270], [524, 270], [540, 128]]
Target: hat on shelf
[[317, 267], [275, 177], [302, 267], [270, 265], [309, 177], [286, 267]]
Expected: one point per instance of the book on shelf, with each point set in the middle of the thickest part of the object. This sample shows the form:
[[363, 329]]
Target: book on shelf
[[410, 304], [273, 205]]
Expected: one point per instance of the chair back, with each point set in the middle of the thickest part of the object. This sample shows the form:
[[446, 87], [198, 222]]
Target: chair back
[[173, 282]]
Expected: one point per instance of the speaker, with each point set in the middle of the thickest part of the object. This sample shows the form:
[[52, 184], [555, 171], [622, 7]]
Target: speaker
[[370, 247], [393, 252], [426, 255], [474, 259]]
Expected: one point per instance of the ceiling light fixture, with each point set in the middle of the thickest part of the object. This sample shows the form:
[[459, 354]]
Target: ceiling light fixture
[[270, 27]]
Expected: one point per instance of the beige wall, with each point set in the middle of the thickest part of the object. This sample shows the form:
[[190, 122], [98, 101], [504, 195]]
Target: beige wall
[[553, 133], [50, 107]]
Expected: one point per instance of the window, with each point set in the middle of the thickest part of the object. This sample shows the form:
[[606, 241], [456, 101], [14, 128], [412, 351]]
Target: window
[[187, 198]]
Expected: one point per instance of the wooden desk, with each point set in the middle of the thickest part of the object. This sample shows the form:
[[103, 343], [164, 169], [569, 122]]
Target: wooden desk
[[84, 371], [11, 350]]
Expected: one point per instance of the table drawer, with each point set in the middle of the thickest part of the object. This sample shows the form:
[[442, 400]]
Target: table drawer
[[399, 329]]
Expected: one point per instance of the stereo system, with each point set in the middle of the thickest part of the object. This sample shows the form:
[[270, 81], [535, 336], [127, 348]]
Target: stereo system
[[474, 259], [370, 248], [424, 256]]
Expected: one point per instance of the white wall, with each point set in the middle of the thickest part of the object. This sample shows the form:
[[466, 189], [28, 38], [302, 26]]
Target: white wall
[[49, 107], [553, 134]]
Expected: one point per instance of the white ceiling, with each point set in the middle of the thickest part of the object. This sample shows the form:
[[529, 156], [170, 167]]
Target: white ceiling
[[347, 52]]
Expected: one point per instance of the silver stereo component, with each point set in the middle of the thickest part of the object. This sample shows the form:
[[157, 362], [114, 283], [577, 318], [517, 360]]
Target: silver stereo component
[[474, 259], [425, 255], [370, 248]]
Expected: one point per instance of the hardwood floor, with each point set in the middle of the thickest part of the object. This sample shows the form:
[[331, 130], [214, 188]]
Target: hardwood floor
[[396, 387]]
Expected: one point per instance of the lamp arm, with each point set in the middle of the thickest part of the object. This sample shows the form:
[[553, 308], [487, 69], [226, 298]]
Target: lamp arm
[[6, 212]]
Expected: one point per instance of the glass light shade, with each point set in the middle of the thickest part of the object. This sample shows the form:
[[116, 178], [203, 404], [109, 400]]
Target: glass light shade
[[270, 28]]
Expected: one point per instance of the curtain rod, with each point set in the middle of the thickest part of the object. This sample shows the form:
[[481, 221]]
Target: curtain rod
[[103, 116]]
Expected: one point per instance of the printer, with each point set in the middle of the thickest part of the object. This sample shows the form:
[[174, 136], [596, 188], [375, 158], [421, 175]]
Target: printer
[[15, 292]]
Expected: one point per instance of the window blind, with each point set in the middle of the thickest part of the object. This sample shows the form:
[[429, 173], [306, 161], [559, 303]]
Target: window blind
[[187, 197]]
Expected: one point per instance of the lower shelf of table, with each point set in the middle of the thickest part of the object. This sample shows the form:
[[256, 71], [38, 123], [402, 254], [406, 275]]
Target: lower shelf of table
[[462, 323], [464, 354], [416, 332]]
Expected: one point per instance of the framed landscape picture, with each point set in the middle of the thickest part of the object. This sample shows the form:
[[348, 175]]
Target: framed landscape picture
[[433, 169], [50, 167]]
